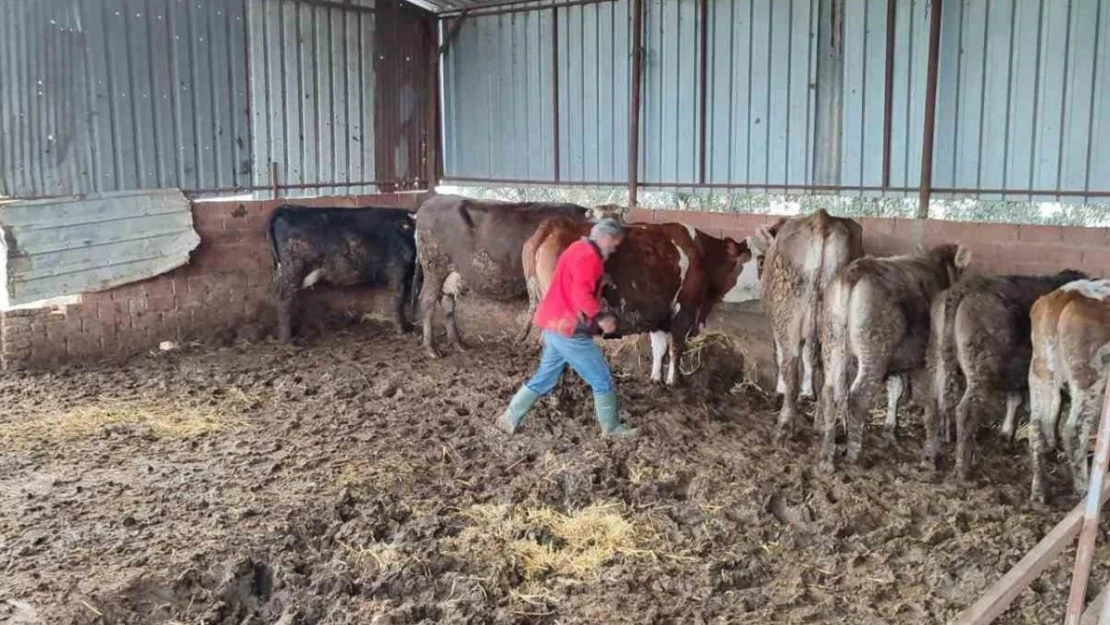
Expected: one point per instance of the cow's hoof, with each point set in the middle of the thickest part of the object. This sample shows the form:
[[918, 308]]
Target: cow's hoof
[[928, 464], [782, 435], [826, 466], [405, 329], [432, 353]]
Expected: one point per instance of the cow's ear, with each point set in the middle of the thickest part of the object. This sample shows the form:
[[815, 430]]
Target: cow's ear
[[740, 251], [963, 257]]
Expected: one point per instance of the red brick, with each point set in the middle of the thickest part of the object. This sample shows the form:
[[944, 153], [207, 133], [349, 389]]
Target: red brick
[[1096, 262], [1040, 234], [639, 215], [158, 287], [995, 232], [208, 220], [136, 305], [872, 225], [159, 303], [1086, 237]]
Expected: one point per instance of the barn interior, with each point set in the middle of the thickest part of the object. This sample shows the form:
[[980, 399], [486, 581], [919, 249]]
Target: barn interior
[[166, 460]]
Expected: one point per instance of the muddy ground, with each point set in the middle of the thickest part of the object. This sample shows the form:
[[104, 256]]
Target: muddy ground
[[352, 480]]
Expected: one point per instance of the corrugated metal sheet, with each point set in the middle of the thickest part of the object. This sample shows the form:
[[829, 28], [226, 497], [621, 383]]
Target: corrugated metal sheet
[[593, 92], [497, 82], [122, 94], [1023, 96], [69, 246], [313, 96], [761, 111]]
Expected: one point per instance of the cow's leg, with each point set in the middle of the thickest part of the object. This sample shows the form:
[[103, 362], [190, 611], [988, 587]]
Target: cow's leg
[[659, 344], [450, 305], [809, 363], [287, 283], [678, 347], [868, 378], [927, 381], [430, 295], [1013, 402], [895, 386], [788, 371], [403, 284], [1077, 431], [1041, 400], [967, 425], [1051, 415]]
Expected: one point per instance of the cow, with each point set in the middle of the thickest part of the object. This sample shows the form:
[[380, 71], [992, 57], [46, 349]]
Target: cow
[[803, 257], [342, 247], [664, 279], [979, 336], [877, 314], [1071, 349], [476, 245]]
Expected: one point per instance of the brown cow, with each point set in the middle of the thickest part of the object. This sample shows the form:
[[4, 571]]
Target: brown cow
[[1071, 348], [476, 245], [877, 314], [664, 279], [980, 336], [804, 255]]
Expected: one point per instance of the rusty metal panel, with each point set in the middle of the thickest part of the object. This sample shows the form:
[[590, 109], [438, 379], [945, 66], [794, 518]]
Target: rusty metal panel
[[102, 95], [68, 246], [402, 96]]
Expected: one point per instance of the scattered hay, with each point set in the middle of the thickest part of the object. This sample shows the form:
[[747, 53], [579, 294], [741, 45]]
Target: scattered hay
[[547, 544], [373, 559], [164, 417]]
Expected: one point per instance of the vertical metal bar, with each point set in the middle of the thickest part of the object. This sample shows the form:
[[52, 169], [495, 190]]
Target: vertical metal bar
[[1085, 552], [634, 113], [432, 146], [888, 94], [703, 86], [274, 178], [935, 8], [555, 91]]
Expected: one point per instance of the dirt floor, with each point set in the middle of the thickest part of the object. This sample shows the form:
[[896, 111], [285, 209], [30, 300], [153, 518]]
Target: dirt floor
[[352, 480]]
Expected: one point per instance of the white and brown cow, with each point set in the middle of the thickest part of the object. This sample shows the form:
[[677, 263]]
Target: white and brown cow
[[979, 339], [1071, 350], [664, 279], [877, 316], [803, 257]]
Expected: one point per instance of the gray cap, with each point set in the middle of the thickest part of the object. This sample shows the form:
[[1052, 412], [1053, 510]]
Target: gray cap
[[608, 226]]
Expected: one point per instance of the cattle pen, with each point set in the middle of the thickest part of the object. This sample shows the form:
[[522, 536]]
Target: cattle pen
[[167, 458]]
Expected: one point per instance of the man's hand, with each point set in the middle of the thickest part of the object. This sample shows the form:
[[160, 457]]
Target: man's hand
[[607, 323]]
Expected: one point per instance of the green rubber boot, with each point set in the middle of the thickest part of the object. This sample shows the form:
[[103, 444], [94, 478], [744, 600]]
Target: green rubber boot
[[607, 407], [521, 403]]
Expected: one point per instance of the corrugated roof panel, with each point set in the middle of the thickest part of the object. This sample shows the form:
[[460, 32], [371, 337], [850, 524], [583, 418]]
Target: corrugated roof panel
[[68, 246]]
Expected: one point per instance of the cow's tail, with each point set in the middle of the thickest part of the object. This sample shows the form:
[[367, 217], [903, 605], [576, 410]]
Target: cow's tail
[[531, 280], [417, 273], [271, 238], [814, 307]]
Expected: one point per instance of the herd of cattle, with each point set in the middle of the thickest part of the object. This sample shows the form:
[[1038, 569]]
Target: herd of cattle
[[843, 322]]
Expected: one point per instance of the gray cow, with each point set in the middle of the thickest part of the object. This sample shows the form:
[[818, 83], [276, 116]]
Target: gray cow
[[877, 315], [980, 339]]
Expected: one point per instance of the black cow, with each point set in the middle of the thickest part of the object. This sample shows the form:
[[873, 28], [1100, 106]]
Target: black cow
[[342, 247]]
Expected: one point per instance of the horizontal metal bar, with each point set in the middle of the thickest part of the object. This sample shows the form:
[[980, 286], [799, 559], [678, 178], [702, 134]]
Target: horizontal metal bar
[[333, 4], [505, 8], [1056, 192], [511, 181], [310, 185]]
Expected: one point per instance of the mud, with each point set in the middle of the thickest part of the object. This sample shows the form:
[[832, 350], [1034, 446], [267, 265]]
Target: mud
[[345, 479]]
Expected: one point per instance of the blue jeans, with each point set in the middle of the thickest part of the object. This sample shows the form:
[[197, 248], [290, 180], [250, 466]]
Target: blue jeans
[[578, 352]]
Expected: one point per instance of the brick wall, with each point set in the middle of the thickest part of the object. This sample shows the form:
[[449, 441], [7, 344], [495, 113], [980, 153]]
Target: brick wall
[[223, 292], [996, 248]]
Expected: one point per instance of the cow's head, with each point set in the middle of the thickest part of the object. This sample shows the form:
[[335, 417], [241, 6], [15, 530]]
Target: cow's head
[[606, 211], [953, 258], [729, 263]]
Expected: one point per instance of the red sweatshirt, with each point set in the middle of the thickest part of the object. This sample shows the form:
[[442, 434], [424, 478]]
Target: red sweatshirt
[[572, 303]]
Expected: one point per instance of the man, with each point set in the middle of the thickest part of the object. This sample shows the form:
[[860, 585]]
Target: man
[[569, 316]]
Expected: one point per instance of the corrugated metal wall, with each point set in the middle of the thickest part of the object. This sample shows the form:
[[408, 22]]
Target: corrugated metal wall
[[102, 95], [312, 85], [122, 94], [1022, 94]]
